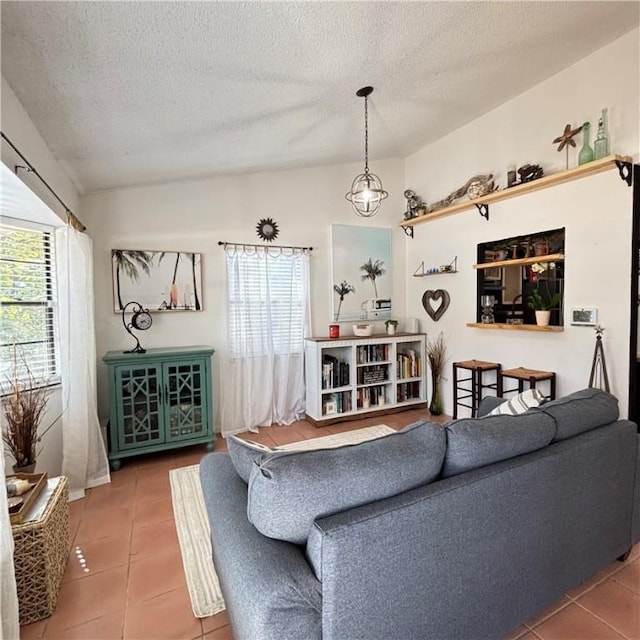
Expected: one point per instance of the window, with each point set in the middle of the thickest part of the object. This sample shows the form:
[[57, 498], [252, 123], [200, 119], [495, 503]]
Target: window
[[27, 300], [268, 300]]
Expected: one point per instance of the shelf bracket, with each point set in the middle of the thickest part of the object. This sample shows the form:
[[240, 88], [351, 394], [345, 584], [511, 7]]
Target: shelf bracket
[[408, 231], [483, 209], [624, 169]]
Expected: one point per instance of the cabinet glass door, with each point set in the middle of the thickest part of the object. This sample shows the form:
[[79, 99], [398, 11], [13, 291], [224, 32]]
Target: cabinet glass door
[[139, 406], [186, 413]]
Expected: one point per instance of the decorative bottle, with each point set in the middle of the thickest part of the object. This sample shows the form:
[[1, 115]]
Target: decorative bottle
[[601, 143], [586, 153]]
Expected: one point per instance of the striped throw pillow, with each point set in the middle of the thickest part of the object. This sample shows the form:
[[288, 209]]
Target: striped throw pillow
[[521, 403]]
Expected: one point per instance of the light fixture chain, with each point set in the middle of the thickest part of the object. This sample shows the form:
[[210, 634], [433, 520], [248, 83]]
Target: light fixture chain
[[366, 135]]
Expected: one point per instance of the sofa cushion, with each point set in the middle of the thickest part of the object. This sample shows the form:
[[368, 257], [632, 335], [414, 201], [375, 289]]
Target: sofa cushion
[[289, 490], [243, 453], [519, 404], [488, 404], [476, 442], [581, 411]]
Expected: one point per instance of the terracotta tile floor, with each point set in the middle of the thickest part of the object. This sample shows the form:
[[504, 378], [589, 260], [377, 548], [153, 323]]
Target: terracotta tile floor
[[125, 579]]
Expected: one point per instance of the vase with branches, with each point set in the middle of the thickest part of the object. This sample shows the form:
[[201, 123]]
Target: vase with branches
[[24, 404], [437, 357]]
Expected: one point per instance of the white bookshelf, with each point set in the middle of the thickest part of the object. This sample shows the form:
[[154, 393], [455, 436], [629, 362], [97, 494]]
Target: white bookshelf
[[352, 376]]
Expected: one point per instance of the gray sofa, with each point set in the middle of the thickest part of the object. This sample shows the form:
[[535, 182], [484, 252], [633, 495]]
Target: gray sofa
[[521, 510]]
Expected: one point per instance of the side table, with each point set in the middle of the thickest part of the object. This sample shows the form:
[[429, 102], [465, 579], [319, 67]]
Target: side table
[[41, 550]]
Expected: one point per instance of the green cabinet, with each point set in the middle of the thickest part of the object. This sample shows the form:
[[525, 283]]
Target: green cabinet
[[159, 400]]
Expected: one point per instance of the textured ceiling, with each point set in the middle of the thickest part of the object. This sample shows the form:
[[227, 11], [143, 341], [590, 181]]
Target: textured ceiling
[[128, 93]]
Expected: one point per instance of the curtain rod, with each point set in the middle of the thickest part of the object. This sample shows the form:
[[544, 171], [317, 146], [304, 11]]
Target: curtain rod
[[263, 246], [72, 219]]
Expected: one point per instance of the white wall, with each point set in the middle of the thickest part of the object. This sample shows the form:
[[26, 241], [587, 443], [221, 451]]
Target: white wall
[[19, 128], [195, 215], [596, 212]]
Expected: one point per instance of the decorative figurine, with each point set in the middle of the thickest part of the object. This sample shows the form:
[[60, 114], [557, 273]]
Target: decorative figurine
[[480, 186], [413, 203], [475, 187], [529, 172], [598, 378], [566, 140]]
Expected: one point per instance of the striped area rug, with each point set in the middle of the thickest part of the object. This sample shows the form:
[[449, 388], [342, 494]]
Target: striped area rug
[[193, 526]]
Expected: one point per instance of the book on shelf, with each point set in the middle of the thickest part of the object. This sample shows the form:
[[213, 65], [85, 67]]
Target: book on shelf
[[408, 391], [372, 353], [339, 402], [371, 397], [408, 364], [335, 373]]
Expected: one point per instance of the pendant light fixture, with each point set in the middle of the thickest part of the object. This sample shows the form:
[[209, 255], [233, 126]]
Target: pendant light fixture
[[366, 193]]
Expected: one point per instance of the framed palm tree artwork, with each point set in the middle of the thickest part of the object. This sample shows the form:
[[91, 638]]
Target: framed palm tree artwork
[[158, 280], [361, 278]]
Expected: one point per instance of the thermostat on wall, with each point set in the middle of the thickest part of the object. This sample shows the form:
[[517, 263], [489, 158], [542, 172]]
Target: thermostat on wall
[[587, 316]]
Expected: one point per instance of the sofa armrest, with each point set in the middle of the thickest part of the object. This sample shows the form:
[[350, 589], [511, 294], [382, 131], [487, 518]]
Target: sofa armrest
[[269, 589]]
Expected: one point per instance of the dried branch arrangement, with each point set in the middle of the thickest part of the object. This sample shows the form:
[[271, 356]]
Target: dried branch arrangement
[[437, 355], [23, 404]]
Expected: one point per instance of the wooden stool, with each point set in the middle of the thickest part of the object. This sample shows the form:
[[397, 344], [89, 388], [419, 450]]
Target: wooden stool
[[521, 374], [477, 368]]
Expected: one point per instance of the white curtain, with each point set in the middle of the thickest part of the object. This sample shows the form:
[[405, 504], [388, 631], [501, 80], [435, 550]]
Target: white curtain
[[84, 459], [9, 628], [268, 316]]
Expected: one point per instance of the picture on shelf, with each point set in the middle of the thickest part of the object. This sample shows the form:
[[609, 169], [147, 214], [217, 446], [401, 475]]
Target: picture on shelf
[[494, 274], [158, 280]]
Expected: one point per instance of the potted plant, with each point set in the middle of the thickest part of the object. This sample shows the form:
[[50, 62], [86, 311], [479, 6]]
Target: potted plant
[[23, 404], [391, 326], [542, 302]]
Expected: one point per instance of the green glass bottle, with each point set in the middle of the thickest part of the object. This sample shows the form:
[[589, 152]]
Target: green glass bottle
[[586, 153], [601, 143]]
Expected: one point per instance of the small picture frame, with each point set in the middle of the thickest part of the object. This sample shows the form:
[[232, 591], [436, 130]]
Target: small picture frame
[[493, 274], [585, 316]]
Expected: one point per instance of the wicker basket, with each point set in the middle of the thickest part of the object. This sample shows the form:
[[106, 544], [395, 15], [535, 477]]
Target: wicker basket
[[40, 557]]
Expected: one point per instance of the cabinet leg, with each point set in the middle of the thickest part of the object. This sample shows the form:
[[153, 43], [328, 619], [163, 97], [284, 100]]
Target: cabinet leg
[[210, 446], [114, 464]]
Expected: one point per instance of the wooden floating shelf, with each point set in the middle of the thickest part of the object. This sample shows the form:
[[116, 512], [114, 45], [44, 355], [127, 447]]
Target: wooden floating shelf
[[581, 171], [550, 257], [513, 327]]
